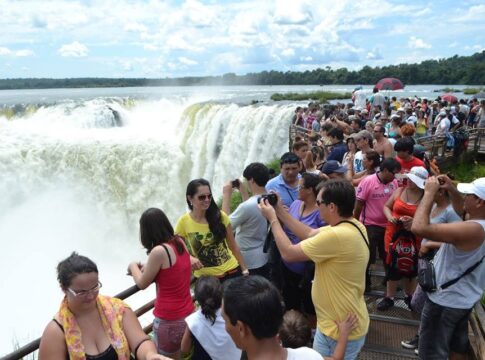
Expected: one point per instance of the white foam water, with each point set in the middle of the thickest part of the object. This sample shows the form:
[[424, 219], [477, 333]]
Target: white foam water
[[73, 179]]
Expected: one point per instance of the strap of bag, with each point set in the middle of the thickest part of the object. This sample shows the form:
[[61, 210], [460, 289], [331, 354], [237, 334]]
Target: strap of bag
[[467, 271], [168, 254], [361, 233]]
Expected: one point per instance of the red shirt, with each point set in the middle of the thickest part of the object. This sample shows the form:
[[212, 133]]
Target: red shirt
[[407, 165], [173, 299]]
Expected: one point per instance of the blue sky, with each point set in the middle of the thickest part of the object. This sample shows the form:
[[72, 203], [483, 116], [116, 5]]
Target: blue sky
[[149, 38]]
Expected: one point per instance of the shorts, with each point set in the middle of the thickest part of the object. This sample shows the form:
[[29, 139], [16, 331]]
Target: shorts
[[393, 275], [168, 335], [325, 345], [443, 330]]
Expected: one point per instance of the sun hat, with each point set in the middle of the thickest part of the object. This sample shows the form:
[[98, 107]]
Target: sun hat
[[395, 116], [418, 176], [400, 109], [333, 166], [365, 111], [477, 187]]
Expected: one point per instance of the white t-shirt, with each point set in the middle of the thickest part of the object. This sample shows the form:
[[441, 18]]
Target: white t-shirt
[[358, 164], [303, 353], [360, 98]]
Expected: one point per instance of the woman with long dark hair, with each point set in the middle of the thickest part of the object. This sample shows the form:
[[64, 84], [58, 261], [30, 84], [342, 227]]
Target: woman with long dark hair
[[209, 236], [169, 267]]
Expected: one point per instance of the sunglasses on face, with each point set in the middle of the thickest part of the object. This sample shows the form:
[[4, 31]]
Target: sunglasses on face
[[204, 197]]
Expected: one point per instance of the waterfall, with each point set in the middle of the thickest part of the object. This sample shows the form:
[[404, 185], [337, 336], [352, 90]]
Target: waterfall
[[76, 176]]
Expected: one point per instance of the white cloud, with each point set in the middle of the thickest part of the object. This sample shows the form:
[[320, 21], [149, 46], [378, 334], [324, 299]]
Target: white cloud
[[416, 43], [150, 47], [135, 27], [74, 49], [186, 61], [375, 54], [18, 53], [24, 53], [288, 52]]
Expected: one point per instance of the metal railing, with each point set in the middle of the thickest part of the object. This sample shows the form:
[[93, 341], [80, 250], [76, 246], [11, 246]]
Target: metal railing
[[34, 345]]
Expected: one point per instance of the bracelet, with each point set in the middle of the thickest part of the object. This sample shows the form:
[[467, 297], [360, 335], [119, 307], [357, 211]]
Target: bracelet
[[272, 222], [245, 272]]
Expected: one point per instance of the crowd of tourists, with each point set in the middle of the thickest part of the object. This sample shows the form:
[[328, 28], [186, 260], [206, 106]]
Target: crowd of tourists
[[283, 275]]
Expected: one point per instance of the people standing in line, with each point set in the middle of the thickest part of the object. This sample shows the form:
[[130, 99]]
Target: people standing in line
[[382, 144], [205, 337], [459, 267], [371, 161], [89, 325], [286, 183], [253, 313], [404, 155], [340, 252], [372, 194], [251, 227], [336, 136], [209, 236], [399, 211], [168, 265], [297, 276], [442, 212], [364, 143]]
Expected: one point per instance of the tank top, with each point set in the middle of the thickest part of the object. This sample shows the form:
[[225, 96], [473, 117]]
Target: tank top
[[399, 208], [451, 262], [173, 299]]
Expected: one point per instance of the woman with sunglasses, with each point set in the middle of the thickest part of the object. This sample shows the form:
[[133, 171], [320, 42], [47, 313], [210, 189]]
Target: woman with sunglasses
[[169, 267], [92, 326], [209, 236]]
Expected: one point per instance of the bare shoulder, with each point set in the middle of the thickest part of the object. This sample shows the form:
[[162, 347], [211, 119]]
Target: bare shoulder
[[52, 343]]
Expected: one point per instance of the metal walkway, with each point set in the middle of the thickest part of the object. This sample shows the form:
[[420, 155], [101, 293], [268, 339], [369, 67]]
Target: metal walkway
[[388, 328]]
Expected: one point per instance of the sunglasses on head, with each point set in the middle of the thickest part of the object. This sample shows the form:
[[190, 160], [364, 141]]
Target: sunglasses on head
[[204, 197]]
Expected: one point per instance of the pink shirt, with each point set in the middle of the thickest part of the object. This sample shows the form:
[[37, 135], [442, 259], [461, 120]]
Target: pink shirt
[[374, 194]]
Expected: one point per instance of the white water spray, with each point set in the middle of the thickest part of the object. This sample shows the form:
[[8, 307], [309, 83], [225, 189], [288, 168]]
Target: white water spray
[[71, 181]]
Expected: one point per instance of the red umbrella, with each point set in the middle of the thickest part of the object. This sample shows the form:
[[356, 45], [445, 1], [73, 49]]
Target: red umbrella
[[448, 97], [389, 84]]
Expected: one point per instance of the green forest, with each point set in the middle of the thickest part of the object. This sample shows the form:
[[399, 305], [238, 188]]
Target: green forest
[[467, 70]]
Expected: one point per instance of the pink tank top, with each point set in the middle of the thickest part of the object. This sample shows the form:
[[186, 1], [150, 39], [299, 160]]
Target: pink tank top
[[173, 299]]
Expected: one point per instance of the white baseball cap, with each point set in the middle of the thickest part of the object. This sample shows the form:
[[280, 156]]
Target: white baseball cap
[[477, 187], [419, 175]]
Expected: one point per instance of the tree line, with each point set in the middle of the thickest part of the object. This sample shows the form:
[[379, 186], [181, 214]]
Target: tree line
[[469, 70]]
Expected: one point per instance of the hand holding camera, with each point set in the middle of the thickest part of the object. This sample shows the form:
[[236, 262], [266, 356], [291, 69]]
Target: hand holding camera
[[272, 199]]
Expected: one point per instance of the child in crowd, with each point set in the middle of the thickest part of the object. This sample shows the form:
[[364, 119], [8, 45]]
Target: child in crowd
[[295, 332], [205, 337]]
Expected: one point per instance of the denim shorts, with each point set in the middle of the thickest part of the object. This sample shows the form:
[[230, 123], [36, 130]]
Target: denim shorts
[[443, 330], [168, 335], [326, 346]]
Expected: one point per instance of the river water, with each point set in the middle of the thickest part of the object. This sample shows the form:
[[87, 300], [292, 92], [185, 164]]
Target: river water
[[79, 166]]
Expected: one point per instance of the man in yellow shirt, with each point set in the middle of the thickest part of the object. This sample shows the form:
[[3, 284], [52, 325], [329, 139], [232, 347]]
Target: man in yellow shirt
[[340, 252]]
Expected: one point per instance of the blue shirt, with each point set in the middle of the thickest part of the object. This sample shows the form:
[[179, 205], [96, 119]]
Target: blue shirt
[[338, 152], [286, 192]]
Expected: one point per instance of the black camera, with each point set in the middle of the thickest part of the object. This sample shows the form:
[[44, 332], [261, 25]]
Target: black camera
[[236, 183], [272, 198]]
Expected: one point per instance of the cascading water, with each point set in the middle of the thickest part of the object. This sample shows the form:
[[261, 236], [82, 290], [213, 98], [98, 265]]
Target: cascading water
[[76, 175]]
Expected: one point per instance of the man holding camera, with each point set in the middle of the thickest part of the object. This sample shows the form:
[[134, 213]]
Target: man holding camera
[[340, 253], [459, 268], [286, 183], [247, 220]]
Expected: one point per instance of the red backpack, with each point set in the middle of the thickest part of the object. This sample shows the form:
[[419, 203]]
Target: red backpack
[[403, 253]]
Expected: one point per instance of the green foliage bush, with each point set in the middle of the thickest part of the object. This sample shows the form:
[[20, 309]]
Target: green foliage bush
[[321, 96]]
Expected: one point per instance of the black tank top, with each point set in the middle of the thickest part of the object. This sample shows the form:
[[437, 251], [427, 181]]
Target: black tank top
[[108, 354]]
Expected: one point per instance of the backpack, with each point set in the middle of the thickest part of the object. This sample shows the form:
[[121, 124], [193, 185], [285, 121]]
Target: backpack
[[403, 253], [461, 141]]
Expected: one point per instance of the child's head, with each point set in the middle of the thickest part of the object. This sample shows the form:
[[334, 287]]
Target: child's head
[[208, 293], [295, 330]]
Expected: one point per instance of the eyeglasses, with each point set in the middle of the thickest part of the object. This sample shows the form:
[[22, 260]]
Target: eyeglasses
[[85, 292], [204, 197]]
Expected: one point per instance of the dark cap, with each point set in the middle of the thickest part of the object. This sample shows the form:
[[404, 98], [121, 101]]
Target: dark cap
[[333, 166]]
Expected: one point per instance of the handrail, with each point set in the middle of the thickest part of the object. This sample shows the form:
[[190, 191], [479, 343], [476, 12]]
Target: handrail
[[34, 345]]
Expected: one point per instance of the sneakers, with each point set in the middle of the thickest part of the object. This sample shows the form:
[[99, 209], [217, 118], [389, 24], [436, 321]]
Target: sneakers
[[411, 344], [385, 304], [407, 301]]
